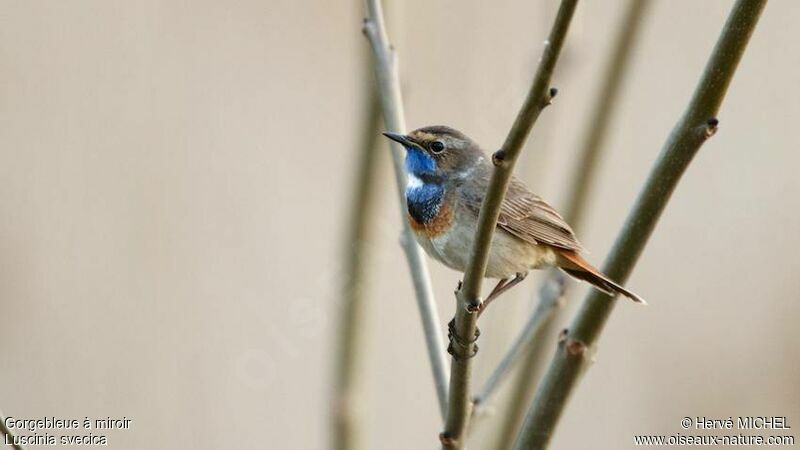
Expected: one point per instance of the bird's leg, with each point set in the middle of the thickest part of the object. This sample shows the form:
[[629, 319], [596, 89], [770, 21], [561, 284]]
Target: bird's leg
[[497, 288], [501, 287]]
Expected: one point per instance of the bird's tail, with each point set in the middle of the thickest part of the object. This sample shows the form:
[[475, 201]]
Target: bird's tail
[[572, 263]]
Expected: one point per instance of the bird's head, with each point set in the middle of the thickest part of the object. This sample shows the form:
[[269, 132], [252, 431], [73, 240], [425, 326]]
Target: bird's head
[[438, 153]]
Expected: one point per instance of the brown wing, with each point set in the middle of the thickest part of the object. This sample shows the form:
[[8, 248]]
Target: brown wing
[[529, 218]]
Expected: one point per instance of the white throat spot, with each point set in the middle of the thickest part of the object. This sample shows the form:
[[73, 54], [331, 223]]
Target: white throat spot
[[414, 182]]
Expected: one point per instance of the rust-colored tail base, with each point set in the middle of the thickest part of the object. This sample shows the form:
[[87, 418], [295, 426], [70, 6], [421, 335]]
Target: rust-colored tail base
[[576, 266]]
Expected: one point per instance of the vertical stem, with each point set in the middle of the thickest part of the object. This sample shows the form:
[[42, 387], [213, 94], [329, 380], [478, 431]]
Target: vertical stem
[[468, 295], [697, 124], [385, 59], [349, 346], [533, 364], [590, 151], [550, 294]]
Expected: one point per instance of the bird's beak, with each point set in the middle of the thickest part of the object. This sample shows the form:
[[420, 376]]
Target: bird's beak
[[401, 138]]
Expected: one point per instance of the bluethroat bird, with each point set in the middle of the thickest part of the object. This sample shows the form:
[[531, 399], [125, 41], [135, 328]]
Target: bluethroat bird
[[448, 175]]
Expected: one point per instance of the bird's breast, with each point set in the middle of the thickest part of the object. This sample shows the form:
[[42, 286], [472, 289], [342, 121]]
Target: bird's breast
[[448, 239], [447, 236], [436, 225]]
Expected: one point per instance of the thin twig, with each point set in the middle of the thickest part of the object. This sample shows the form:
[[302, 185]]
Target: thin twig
[[468, 295], [386, 74], [697, 124], [531, 367], [550, 294], [589, 153], [528, 343], [349, 345], [8, 434]]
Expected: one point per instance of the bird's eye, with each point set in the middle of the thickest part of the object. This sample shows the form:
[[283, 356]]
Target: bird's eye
[[437, 146]]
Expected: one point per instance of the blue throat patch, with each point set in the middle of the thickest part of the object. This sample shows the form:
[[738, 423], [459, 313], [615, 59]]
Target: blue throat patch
[[422, 199], [419, 162]]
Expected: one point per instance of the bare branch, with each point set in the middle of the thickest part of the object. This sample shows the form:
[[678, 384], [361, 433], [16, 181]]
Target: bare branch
[[697, 124], [551, 294], [582, 179], [385, 59], [349, 345], [468, 295]]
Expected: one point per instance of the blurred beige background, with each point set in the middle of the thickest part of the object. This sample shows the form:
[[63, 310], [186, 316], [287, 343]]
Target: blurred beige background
[[175, 180]]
